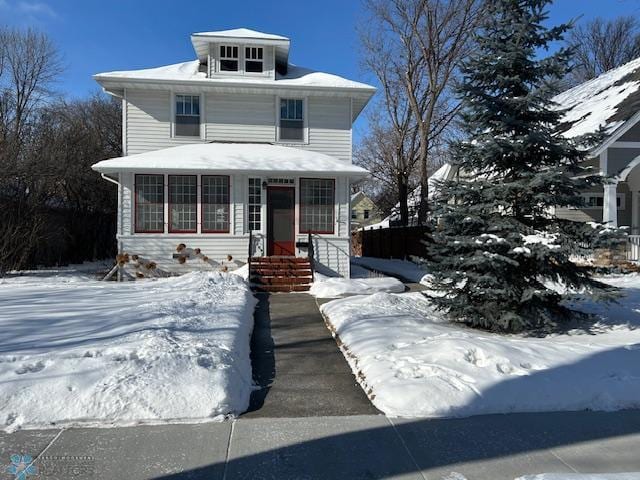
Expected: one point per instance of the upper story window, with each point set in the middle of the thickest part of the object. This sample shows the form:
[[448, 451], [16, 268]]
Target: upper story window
[[253, 61], [228, 58], [291, 119], [187, 121], [366, 214]]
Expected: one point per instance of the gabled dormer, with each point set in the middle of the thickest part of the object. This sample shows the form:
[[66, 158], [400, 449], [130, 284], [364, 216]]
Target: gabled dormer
[[242, 53]]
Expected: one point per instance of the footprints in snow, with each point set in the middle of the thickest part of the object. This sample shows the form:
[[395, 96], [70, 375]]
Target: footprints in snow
[[30, 368]]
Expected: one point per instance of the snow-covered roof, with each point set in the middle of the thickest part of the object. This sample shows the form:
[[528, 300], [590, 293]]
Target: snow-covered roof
[[607, 101], [241, 33], [231, 157], [190, 71]]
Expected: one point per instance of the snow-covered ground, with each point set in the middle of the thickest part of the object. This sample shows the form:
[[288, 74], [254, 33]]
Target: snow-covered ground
[[74, 350], [330, 287], [403, 268], [413, 363]]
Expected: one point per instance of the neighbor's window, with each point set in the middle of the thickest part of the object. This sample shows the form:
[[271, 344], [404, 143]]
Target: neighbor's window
[[183, 210], [291, 119], [215, 204], [187, 123], [317, 205], [228, 58], [597, 201], [253, 61], [354, 214], [149, 190], [255, 204], [366, 214]]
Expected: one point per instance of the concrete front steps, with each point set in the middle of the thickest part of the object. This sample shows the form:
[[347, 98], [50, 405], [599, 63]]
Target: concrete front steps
[[280, 274]]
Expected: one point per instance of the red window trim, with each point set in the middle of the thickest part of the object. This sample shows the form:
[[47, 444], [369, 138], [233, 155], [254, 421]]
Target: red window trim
[[333, 210], [136, 229], [171, 230], [202, 229]]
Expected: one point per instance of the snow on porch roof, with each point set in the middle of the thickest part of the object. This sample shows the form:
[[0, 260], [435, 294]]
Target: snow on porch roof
[[231, 157]]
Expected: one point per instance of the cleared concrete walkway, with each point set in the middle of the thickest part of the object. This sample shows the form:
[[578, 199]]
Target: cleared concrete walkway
[[493, 447], [298, 364]]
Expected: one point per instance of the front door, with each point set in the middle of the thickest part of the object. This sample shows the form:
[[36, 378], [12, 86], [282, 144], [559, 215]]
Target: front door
[[281, 221]]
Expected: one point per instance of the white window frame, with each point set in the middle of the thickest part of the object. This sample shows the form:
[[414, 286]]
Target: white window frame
[[305, 120], [239, 59], [620, 198], [262, 204], [172, 108], [246, 59]]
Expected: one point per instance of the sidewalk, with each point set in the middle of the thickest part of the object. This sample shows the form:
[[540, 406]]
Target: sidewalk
[[298, 364], [479, 448]]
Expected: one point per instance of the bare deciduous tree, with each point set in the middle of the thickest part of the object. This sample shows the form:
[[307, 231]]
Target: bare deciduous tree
[[601, 45], [414, 48]]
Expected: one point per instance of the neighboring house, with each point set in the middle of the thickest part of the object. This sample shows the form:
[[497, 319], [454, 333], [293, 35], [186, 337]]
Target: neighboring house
[[445, 172], [363, 211], [237, 141], [610, 101]]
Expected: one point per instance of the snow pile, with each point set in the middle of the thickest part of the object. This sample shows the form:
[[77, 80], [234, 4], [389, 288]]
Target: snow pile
[[402, 268], [226, 157], [592, 104], [582, 476], [120, 353], [330, 287], [413, 363]]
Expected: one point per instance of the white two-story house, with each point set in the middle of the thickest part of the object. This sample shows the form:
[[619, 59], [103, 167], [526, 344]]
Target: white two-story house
[[236, 144]]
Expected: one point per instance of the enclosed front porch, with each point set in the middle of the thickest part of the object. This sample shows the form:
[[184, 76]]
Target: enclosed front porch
[[230, 202]]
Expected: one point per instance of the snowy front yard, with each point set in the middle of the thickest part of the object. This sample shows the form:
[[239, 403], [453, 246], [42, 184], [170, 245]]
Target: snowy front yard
[[413, 363], [74, 350]]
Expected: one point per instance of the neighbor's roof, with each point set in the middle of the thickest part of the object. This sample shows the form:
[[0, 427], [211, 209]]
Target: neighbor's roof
[[607, 101], [229, 158]]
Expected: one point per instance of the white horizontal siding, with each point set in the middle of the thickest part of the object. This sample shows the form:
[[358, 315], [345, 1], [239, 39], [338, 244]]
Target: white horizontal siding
[[245, 118], [330, 126], [160, 248], [148, 116]]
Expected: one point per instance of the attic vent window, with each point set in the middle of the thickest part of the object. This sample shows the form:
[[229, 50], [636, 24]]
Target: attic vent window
[[253, 60], [228, 58]]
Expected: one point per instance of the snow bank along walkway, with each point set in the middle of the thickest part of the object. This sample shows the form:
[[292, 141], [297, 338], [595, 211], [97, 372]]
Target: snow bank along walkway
[[298, 364]]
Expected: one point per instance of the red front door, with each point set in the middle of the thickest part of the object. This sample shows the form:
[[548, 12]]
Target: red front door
[[281, 221]]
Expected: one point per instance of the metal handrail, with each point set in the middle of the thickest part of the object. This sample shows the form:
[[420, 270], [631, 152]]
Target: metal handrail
[[311, 254]]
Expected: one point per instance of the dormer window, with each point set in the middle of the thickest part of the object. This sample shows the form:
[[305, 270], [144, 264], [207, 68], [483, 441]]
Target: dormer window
[[228, 58], [253, 60]]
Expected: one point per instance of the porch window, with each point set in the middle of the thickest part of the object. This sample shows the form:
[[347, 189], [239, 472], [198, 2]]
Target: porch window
[[183, 204], [253, 61], [317, 198], [215, 204], [255, 204], [149, 201], [291, 119], [228, 58], [187, 121]]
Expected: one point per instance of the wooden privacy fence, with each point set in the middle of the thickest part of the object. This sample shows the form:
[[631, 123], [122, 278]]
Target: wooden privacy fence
[[392, 242]]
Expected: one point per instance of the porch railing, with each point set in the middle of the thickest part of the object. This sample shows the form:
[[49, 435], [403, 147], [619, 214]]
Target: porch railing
[[633, 248], [311, 254]]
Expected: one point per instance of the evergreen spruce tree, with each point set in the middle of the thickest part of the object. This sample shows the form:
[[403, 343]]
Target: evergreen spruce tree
[[497, 247]]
